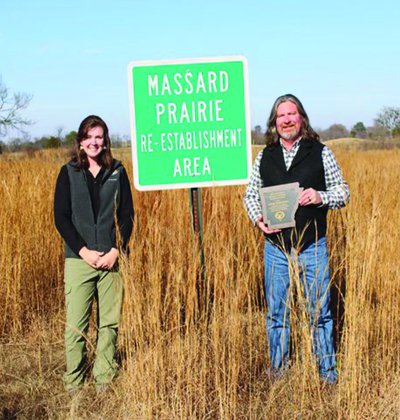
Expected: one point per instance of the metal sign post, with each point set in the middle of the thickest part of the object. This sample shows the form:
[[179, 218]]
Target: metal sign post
[[197, 223]]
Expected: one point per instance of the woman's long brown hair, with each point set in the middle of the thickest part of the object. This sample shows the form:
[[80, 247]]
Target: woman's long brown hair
[[79, 155]]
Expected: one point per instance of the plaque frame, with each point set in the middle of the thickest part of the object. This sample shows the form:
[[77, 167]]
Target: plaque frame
[[279, 204]]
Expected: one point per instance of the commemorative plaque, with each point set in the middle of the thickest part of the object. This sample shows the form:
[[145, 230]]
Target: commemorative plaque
[[279, 204]]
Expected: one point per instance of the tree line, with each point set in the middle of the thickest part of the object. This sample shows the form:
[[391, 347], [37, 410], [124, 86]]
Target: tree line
[[386, 127], [67, 140]]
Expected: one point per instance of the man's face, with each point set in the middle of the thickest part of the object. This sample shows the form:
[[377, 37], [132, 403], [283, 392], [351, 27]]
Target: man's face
[[288, 121]]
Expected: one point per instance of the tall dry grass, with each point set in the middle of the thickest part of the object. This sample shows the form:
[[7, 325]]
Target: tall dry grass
[[200, 352]]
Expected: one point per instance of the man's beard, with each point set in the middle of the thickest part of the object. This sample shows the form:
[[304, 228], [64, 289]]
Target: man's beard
[[290, 135]]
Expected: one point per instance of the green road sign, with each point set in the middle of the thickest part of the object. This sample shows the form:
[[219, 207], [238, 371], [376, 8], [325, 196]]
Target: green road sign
[[190, 123]]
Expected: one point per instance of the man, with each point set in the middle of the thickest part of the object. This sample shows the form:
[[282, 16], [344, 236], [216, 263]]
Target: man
[[293, 153]]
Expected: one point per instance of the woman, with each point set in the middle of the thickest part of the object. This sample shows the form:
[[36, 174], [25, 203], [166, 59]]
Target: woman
[[90, 189]]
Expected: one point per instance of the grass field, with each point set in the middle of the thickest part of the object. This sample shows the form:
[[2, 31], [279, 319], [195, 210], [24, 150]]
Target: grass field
[[200, 352]]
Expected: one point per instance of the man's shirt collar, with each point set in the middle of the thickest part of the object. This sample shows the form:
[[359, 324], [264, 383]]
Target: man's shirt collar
[[295, 144]]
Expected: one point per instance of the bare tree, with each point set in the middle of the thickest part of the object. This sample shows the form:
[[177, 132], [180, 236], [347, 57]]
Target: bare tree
[[334, 131], [378, 132], [389, 118], [11, 106], [257, 135]]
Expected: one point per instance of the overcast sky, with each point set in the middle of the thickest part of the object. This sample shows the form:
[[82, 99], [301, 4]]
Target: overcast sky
[[341, 58]]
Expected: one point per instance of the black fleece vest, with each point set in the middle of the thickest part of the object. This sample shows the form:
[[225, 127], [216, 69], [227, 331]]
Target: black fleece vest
[[307, 168], [98, 236]]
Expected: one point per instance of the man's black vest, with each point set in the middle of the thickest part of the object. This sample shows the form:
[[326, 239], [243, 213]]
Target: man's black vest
[[307, 168], [100, 235]]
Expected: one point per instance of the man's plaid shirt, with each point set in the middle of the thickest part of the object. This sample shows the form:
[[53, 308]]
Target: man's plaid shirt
[[335, 197]]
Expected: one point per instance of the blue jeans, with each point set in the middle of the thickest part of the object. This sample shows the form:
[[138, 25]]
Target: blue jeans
[[314, 275]]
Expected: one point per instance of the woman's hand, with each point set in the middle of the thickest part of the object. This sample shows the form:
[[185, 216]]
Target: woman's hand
[[90, 257], [108, 260], [265, 228]]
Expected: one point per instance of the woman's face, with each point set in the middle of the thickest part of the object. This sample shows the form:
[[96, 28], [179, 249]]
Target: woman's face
[[92, 145]]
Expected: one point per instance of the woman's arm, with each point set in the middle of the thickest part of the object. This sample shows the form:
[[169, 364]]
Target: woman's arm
[[63, 213]]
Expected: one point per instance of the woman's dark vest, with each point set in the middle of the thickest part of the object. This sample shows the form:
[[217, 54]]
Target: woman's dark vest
[[307, 168], [100, 235]]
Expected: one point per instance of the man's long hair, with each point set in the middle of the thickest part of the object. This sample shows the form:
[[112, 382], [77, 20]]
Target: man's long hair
[[271, 135], [79, 155]]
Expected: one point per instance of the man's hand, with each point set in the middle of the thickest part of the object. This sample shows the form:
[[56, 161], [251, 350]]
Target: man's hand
[[265, 228], [107, 261], [90, 257], [310, 196]]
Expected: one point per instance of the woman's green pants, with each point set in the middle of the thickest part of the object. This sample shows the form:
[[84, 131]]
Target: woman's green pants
[[83, 284]]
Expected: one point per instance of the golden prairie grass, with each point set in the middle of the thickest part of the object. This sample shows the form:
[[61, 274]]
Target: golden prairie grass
[[200, 352]]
